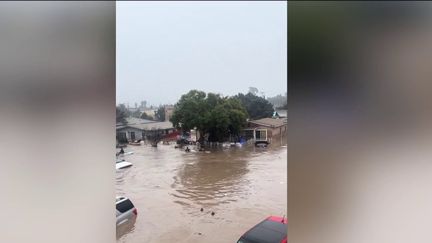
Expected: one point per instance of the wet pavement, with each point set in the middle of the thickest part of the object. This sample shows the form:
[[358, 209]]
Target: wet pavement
[[169, 187]]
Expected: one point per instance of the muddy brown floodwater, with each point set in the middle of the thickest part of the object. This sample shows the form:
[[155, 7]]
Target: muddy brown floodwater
[[241, 185]]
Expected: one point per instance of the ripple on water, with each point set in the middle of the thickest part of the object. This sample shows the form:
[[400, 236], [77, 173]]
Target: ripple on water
[[241, 185]]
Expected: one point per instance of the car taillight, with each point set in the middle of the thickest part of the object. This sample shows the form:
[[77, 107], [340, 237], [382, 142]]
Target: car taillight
[[135, 211]]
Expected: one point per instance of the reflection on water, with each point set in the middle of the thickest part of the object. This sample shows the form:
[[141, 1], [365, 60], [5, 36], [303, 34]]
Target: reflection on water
[[211, 179], [169, 187]]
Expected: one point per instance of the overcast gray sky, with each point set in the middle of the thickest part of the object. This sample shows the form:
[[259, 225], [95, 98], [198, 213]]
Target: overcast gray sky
[[165, 49]]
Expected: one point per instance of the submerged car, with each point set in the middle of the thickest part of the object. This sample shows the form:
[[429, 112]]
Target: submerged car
[[125, 210], [271, 230], [122, 164]]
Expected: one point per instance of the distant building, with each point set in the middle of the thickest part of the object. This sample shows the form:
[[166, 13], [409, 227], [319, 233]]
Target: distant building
[[169, 110], [142, 107], [265, 129]]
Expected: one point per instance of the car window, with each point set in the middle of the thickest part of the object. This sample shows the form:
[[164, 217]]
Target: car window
[[124, 206]]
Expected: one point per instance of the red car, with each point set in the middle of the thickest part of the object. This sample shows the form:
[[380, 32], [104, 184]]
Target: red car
[[271, 230]]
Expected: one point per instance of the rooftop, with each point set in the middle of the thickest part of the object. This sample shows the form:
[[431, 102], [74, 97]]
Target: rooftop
[[150, 125], [134, 121], [131, 121], [270, 122]]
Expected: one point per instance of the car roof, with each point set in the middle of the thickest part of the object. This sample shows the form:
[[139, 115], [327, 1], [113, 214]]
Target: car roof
[[270, 230]]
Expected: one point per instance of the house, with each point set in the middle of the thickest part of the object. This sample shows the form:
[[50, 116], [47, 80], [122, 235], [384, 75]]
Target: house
[[140, 108], [134, 121], [263, 130], [141, 129]]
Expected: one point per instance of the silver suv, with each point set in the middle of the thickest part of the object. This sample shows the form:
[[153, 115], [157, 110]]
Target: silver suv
[[125, 210]]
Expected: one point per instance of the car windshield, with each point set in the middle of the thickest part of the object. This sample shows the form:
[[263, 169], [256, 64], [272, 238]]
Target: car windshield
[[124, 206], [266, 231], [244, 241]]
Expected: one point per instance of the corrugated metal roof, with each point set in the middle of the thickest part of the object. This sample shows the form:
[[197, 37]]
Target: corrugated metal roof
[[270, 122], [134, 120], [150, 126]]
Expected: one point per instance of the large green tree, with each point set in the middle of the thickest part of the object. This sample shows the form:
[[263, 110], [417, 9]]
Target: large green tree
[[257, 107], [211, 114], [278, 100], [121, 114], [227, 118]]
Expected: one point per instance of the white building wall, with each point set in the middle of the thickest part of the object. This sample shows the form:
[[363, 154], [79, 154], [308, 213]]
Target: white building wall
[[129, 130]]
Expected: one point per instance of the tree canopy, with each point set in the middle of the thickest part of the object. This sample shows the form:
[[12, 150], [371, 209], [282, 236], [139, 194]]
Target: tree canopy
[[278, 101], [121, 114], [257, 107], [211, 114]]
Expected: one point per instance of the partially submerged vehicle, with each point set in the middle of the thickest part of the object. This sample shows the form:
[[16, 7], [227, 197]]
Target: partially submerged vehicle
[[261, 144], [226, 145], [135, 143], [271, 230], [125, 210], [183, 141], [123, 164]]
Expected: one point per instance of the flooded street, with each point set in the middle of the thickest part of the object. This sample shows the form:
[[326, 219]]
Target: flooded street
[[241, 185]]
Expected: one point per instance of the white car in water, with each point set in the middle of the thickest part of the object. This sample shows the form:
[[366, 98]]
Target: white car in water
[[121, 164], [125, 210]]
